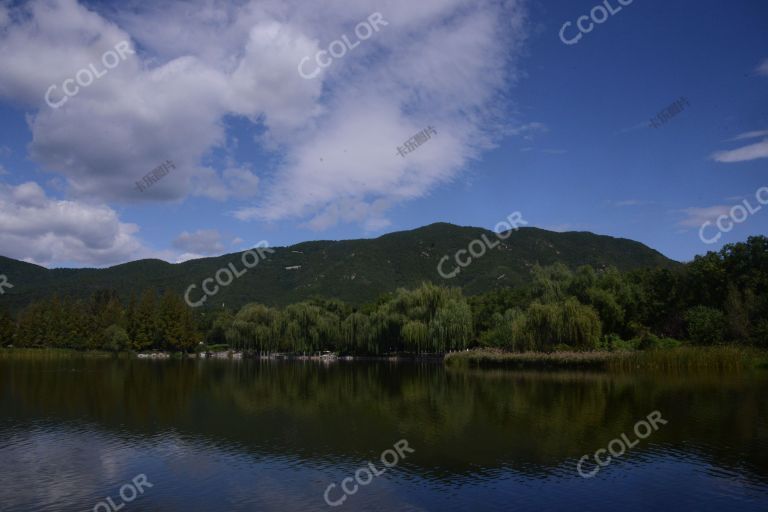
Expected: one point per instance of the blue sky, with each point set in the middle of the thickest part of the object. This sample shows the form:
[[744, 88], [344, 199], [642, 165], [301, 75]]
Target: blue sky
[[524, 123]]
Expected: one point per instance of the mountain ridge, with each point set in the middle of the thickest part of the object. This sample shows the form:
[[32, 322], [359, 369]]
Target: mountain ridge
[[356, 270]]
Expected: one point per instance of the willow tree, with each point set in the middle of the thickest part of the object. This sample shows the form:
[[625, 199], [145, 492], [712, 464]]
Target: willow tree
[[451, 328], [568, 322], [509, 332], [358, 335], [416, 335], [254, 327]]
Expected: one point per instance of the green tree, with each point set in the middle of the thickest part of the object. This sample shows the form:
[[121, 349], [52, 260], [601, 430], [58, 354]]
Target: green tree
[[705, 325], [115, 339]]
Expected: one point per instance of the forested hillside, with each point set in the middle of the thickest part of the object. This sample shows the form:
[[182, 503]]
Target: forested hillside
[[354, 271], [720, 297]]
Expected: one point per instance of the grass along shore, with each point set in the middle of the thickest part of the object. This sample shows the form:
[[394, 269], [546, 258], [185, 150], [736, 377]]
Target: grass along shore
[[717, 358]]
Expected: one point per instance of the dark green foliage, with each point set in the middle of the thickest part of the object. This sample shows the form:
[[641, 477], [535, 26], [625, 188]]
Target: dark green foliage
[[104, 324], [7, 329], [116, 339], [718, 298], [427, 319], [354, 271], [705, 325]]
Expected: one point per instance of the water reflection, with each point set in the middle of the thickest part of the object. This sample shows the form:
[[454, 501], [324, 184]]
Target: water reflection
[[263, 435]]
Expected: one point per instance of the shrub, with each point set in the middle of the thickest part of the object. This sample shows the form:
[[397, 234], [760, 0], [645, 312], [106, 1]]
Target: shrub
[[669, 343], [649, 342], [116, 339], [705, 325], [609, 342]]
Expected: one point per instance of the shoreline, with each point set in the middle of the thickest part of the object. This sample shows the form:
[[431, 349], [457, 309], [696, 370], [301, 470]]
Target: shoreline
[[714, 358]]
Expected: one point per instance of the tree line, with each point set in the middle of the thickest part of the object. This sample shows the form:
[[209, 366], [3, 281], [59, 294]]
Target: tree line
[[721, 297]]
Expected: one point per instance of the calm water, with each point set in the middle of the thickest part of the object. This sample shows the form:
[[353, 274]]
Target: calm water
[[221, 436]]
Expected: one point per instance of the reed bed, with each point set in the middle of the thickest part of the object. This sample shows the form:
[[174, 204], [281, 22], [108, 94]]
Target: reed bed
[[37, 354], [491, 358], [719, 359]]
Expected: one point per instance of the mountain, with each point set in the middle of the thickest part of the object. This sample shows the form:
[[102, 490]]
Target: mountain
[[350, 270]]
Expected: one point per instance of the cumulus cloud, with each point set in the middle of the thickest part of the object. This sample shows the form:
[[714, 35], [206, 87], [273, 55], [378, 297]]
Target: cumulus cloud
[[40, 229], [442, 63], [445, 72], [113, 132]]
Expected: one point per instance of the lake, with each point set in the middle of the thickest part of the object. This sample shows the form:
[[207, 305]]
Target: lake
[[86, 434]]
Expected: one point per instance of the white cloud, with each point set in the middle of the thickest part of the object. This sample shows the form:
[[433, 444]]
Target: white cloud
[[629, 202], [763, 68], [751, 135], [187, 256], [529, 130], [559, 228], [447, 73], [744, 154], [233, 182], [142, 112], [695, 217], [43, 230], [443, 63], [203, 241]]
